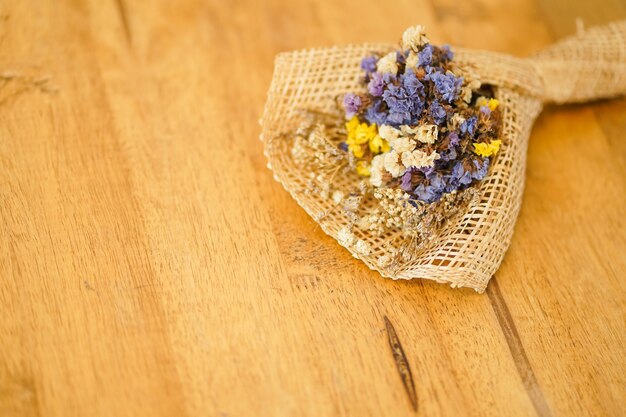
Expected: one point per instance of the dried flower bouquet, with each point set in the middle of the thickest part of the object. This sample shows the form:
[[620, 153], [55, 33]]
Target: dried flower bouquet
[[413, 158]]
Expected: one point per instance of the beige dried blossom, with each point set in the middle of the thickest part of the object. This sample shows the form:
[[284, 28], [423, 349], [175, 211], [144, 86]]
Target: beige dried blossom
[[362, 247], [455, 121], [376, 170], [419, 158], [388, 133], [466, 94], [373, 223], [387, 64], [412, 60], [393, 165], [337, 196], [414, 37], [408, 130], [466, 91], [385, 260], [403, 144], [345, 237], [352, 203], [427, 133], [325, 190], [313, 146]]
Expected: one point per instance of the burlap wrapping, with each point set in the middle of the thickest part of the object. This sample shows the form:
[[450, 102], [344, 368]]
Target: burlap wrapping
[[471, 246]]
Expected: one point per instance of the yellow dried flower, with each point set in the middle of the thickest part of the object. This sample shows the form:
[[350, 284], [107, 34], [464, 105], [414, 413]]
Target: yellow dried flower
[[360, 134], [356, 149], [364, 133], [492, 103], [487, 149], [352, 124], [378, 145], [362, 169]]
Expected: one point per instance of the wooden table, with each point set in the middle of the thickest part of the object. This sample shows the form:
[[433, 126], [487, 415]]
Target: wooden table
[[151, 266]]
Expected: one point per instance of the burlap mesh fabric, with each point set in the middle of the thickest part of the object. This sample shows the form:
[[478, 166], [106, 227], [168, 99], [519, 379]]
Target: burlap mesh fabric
[[470, 246]]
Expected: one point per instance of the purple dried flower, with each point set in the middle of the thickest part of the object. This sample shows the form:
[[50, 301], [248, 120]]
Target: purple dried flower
[[368, 64], [425, 56], [431, 192], [459, 177], [447, 85], [411, 84], [426, 193], [352, 103], [405, 101], [437, 182], [437, 112], [427, 170], [400, 57], [376, 85], [482, 166], [469, 126], [454, 139], [375, 115], [448, 155], [399, 105], [406, 181]]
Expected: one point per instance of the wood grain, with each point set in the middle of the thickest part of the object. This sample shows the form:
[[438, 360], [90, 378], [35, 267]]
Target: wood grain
[[150, 265]]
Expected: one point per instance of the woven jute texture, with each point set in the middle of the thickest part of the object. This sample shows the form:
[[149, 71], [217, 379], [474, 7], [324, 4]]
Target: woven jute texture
[[471, 245]]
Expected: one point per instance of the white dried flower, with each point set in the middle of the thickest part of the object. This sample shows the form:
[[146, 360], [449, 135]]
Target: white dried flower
[[337, 196], [319, 216], [352, 203], [427, 133], [402, 144], [419, 158], [474, 84], [455, 121], [345, 237], [363, 186], [325, 190], [393, 165], [362, 247], [376, 170], [387, 64], [384, 260], [388, 132], [414, 37], [466, 94], [365, 222], [408, 130], [412, 60]]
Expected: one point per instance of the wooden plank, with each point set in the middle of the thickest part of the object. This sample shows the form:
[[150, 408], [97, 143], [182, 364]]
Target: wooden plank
[[151, 265]]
